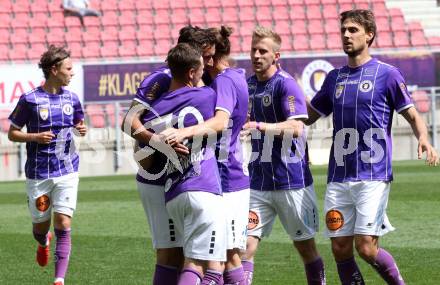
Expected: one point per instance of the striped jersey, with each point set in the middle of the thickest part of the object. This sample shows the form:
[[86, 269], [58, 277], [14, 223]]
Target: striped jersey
[[39, 112], [279, 163], [150, 89], [232, 97], [181, 108], [362, 100]]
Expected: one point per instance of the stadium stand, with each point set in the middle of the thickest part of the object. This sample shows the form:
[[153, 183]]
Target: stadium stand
[[127, 25]]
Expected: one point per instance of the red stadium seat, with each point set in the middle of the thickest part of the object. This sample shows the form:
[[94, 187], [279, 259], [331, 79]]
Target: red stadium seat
[[110, 33], [297, 12], [74, 35], [434, 41], [144, 18], [110, 49], [279, 3], [286, 43], [283, 27], [18, 52], [21, 20], [4, 121], [331, 2], [178, 4], [144, 34], [230, 14], [398, 24], [72, 21], [280, 13], [162, 17], [330, 11], [314, 12], [311, 2], [56, 36], [401, 39], [144, 48], [418, 39], [263, 13], [75, 49], [39, 20], [4, 51], [384, 40], [421, 101], [38, 35], [345, 7], [345, 1], [36, 50], [143, 5], [39, 6], [92, 50], [160, 4], [315, 27], [246, 14], [92, 34], [92, 22], [21, 6], [362, 5], [110, 5], [246, 42], [6, 21], [179, 17], [95, 115], [4, 36], [127, 18], [195, 4], [165, 32], [298, 28], [127, 5], [246, 28], [127, 33], [229, 4], [301, 43], [317, 42], [213, 16], [56, 19], [19, 35], [415, 26], [235, 43], [110, 18], [212, 3], [161, 47], [331, 26], [333, 41], [128, 48], [383, 24]]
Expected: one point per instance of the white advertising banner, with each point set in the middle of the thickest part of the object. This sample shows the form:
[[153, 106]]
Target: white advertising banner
[[16, 79]]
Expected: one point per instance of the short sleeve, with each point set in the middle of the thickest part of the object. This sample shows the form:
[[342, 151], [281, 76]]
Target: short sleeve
[[226, 94], [78, 113], [152, 87], [21, 114], [322, 102], [293, 101], [397, 91]]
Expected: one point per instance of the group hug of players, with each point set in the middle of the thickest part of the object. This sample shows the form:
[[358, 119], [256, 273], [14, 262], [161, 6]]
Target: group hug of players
[[206, 209]]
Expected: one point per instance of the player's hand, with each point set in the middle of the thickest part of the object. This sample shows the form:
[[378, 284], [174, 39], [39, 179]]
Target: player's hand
[[81, 129], [43, 137], [432, 158], [181, 149], [174, 136], [251, 125]]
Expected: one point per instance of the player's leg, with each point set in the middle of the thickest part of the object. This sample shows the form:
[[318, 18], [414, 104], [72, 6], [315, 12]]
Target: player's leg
[[200, 217], [340, 222], [40, 208], [260, 221], [371, 223], [166, 242], [298, 214], [237, 211], [64, 196]]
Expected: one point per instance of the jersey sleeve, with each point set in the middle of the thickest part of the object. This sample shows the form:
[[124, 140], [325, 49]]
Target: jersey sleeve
[[397, 92], [293, 101], [152, 87], [226, 94], [78, 112], [21, 114], [322, 102]]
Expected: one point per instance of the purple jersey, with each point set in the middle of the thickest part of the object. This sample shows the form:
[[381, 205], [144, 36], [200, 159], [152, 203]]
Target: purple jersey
[[283, 164], [232, 97], [362, 100], [151, 88], [183, 108], [59, 113]]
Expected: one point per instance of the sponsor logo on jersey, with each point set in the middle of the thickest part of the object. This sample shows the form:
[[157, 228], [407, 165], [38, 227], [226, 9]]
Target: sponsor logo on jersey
[[339, 90], [366, 86], [342, 75], [334, 220], [42, 203], [252, 87], [44, 113], [67, 109], [291, 100], [267, 100], [369, 71], [254, 220], [313, 76]]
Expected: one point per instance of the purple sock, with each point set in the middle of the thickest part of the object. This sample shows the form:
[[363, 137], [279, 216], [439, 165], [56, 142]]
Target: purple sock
[[211, 277], [40, 238], [62, 252], [165, 275], [234, 276], [315, 272], [349, 272], [189, 277], [387, 268], [248, 267]]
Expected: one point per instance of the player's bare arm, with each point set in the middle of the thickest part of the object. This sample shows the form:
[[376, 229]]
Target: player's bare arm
[[216, 124], [421, 132], [81, 128], [313, 115], [291, 127], [17, 135]]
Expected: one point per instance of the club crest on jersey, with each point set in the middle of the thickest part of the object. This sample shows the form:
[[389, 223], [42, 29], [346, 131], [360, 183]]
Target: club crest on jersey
[[366, 86], [339, 91], [44, 113], [68, 109], [403, 89], [267, 100]]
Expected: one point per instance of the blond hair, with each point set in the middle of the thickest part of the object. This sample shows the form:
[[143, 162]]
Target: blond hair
[[261, 32]]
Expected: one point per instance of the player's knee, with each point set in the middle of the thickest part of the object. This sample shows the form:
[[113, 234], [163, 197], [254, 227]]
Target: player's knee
[[170, 257], [367, 252], [307, 250], [342, 250], [62, 221]]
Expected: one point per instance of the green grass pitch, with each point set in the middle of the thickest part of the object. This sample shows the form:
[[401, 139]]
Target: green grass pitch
[[112, 245]]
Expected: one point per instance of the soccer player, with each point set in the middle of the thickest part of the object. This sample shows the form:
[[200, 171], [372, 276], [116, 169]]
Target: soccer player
[[363, 96], [193, 194], [51, 115], [280, 179], [231, 112], [169, 256]]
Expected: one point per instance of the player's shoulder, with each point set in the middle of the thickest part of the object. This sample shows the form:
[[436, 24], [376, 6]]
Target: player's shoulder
[[30, 95], [157, 76], [70, 94]]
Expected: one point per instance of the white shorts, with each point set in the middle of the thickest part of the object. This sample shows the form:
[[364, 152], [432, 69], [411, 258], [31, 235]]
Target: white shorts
[[59, 193], [162, 228], [237, 209], [296, 209], [357, 208], [199, 218]]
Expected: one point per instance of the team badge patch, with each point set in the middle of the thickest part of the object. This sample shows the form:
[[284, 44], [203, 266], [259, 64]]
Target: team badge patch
[[334, 220], [339, 91], [366, 86], [42, 203], [404, 89], [67, 109], [254, 220], [44, 113], [266, 100]]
